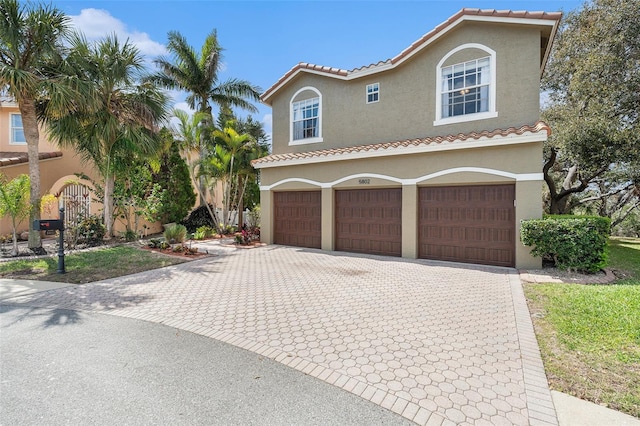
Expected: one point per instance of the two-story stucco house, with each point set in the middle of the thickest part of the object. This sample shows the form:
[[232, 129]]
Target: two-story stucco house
[[435, 153]]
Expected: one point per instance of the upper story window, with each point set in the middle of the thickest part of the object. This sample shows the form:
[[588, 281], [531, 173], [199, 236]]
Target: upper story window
[[373, 93], [465, 88], [17, 131], [466, 91], [306, 118]]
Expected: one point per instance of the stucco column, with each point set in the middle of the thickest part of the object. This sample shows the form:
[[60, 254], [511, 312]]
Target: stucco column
[[410, 221], [527, 207], [266, 217], [327, 219]]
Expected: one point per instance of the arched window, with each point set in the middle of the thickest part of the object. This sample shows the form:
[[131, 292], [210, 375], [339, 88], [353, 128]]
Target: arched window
[[306, 116], [466, 91]]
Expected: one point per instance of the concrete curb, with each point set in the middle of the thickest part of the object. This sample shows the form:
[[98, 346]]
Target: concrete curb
[[575, 411]]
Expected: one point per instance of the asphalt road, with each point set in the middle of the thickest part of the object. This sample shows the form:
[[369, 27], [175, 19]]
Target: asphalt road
[[65, 367]]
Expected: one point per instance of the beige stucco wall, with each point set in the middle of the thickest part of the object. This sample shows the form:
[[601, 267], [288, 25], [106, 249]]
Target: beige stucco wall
[[408, 93], [6, 109], [55, 173], [518, 159]]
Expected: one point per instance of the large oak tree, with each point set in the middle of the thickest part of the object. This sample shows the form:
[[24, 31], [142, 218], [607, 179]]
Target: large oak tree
[[593, 81]]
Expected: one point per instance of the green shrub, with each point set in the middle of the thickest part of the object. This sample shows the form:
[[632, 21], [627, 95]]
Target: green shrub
[[154, 243], [254, 217], [175, 234], [173, 177], [203, 232], [91, 229], [197, 218], [129, 235], [227, 230], [573, 242]]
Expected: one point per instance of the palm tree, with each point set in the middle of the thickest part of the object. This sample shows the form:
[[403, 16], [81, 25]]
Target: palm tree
[[190, 135], [198, 75], [124, 119], [229, 162], [30, 40]]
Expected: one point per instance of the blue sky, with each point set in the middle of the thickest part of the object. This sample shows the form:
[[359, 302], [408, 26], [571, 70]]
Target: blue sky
[[264, 39]]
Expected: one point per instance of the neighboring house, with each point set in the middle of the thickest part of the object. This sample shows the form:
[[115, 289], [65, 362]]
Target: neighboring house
[[57, 170], [57, 166], [435, 153]]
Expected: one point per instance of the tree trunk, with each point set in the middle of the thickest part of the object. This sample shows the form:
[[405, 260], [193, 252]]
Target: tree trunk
[[240, 203], [32, 135], [14, 250], [109, 183], [560, 204]]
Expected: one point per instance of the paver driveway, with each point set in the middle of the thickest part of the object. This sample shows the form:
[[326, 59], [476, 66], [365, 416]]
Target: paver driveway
[[437, 343]]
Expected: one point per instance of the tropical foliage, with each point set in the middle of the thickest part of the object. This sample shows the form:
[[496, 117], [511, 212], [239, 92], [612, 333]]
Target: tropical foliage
[[31, 38], [93, 97], [198, 75], [190, 135], [121, 121], [136, 196], [14, 202]]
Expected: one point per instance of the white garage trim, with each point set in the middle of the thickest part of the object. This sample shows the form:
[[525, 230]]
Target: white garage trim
[[519, 177], [514, 176]]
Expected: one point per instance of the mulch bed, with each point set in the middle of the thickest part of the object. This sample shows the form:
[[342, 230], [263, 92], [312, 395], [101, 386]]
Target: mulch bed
[[181, 254]]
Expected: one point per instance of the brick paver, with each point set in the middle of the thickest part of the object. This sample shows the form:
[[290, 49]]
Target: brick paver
[[434, 342]]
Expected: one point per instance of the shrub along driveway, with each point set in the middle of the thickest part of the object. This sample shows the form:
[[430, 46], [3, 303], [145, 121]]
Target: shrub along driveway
[[431, 341]]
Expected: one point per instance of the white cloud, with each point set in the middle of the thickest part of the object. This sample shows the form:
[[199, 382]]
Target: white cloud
[[97, 23]]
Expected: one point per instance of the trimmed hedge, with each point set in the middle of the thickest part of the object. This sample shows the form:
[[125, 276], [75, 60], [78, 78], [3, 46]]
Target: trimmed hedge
[[574, 242]]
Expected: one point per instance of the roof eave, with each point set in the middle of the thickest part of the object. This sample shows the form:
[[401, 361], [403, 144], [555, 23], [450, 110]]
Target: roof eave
[[538, 132], [477, 15]]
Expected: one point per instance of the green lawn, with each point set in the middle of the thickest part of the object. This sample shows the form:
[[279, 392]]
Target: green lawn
[[589, 335], [89, 266]]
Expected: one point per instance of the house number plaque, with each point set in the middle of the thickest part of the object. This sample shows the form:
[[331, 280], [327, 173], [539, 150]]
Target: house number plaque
[[364, 181]]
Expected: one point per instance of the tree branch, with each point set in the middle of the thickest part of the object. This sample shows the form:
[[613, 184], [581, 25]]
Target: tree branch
[[547, 177]]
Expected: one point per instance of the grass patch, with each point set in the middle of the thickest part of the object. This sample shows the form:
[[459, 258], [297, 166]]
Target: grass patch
[[624, 259], [89, 266], [589, 335]]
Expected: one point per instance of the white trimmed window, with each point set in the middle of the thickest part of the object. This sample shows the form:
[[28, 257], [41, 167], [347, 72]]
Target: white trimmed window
[[306, 118], [465, 88], [373, 93], [466, 91], [17, 131]]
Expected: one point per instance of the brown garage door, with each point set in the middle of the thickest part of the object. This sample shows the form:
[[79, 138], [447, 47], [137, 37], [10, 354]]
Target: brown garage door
[[297, 218], [472, 224], [369, 221]]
